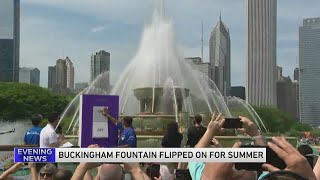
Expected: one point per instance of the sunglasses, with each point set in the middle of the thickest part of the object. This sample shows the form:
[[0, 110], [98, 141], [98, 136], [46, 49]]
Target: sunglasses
[[46, 174]]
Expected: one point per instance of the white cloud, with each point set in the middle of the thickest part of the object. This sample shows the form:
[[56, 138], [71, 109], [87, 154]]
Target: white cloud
[[99, 28]]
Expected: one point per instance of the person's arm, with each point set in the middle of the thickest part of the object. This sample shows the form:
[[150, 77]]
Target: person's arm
[[13, 169], [54, 141], [214, 127], [135, 171], [87, 176], [114, 120], [33, 171], [316, 169]]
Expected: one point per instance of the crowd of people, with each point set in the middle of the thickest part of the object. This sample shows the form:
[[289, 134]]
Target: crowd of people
[[300, 162]]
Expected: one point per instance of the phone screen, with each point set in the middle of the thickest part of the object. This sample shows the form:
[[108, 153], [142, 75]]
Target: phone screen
[[182, 174], [154, 171], [272, 158], [232, 123]]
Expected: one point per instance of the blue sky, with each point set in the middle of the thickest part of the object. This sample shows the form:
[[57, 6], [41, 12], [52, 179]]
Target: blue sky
[[51, 29]]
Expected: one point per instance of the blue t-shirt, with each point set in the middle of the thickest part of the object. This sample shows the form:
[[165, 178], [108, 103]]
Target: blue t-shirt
[[127, 136], [32, 136]]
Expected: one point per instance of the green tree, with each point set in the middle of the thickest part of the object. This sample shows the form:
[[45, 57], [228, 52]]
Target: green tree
[[21, 101]]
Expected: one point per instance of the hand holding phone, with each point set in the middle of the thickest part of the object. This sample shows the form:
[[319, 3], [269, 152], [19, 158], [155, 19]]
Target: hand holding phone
[[272, 158], [153, 171], [232, 123]]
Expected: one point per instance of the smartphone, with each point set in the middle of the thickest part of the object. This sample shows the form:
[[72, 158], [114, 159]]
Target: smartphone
[[182, 174], [272, 158], [232, 123], [153, 171]]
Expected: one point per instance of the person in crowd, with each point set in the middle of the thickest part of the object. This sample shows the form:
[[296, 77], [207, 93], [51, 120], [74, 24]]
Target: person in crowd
[[196, 132], [48, 135], [13, 169], [307, 152], [81, 172], [47, 172], [127, 137], [201, 170], [173, 137], [32, 136], [62, 174]]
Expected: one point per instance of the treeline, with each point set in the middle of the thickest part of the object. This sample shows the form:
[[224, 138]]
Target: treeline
[[19, 101], [279, 122]]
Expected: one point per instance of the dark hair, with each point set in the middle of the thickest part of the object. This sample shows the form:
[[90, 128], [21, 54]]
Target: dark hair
[[172, 129], [36, 119], [306, 150], [198, 119], [283, 175], [53, 117], [62, 174], [128, 121]]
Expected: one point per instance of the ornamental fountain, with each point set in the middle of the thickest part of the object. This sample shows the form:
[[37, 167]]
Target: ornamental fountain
[[156, 87]]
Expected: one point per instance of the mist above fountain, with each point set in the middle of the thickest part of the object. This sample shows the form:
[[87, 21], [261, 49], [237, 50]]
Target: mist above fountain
[[158, 85]]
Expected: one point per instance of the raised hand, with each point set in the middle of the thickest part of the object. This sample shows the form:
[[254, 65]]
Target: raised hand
[[249, 127], [216, 123], [294, 160]]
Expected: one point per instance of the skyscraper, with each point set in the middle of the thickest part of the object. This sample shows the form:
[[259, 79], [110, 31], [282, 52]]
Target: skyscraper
[[29, 75], [261, 51], [279, 73], [203, 67], [286, 96], [70, 74], [61, 76], [309, 64], [296, 74], [9, 40], [219, 54], [100, 63], [51, 77]]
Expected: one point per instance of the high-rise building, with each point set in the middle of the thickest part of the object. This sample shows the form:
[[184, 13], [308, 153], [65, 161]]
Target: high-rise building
[[279, 73], [29, 75], [51, 77], [70, 74], [296, 74], [309, 77], [9, 40], [203, 67], [286, 96], [61, 76], [100, 63], [219, 54], [261, 52]]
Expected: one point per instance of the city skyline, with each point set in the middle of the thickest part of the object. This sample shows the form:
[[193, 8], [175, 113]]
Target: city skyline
[[118, 32]]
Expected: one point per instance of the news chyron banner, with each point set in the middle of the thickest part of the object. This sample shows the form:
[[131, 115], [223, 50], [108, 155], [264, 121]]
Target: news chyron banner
[[94, 125], [127, 155]]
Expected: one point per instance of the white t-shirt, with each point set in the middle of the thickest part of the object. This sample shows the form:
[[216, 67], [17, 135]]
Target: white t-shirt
[[48, 136]]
